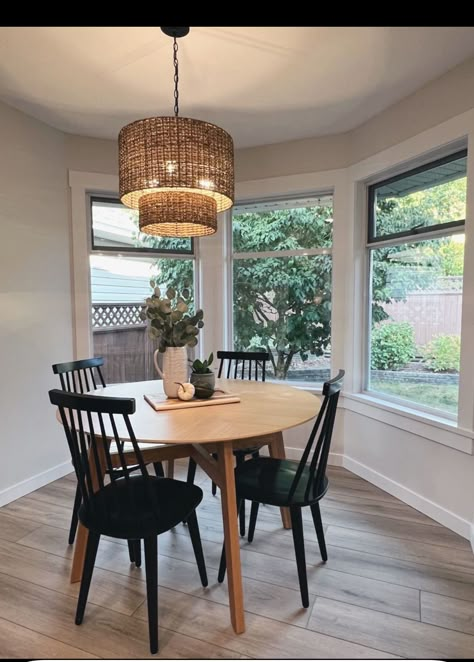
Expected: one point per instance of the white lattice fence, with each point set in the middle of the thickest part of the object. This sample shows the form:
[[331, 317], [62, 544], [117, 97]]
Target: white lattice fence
[[113, 315]]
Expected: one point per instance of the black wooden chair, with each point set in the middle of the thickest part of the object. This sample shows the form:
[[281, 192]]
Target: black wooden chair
[[79, 377], [287, 483], [129, 507], [240, 365]]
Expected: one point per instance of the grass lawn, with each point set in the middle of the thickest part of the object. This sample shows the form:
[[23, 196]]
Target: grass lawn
[[439, 396]]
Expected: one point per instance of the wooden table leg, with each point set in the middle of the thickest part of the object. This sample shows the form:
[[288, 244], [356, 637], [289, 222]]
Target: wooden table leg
[[82, 534], [277, 450], [80, 546], [231, 536]]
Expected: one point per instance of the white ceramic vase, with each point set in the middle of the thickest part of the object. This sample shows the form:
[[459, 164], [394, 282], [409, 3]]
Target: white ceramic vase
[[175, 369]]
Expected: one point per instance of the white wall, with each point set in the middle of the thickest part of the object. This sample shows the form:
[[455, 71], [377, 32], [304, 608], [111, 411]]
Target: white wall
[[429, 476], [35, 300]]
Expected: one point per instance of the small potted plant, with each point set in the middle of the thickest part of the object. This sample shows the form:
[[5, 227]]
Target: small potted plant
[[202, 377]]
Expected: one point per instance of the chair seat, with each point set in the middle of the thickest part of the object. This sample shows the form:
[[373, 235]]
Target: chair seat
[[124, 508], [268, 480]]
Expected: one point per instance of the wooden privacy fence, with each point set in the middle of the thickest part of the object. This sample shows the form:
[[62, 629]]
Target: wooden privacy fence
[[430, 313], [121, 337]]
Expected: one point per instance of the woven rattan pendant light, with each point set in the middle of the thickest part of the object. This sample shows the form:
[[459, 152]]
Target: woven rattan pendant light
[[177, 171]]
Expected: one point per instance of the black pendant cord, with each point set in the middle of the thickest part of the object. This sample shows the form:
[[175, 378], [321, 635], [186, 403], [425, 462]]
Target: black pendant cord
[[176, 77]]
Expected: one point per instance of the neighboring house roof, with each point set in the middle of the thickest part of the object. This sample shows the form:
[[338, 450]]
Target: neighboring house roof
[[109, 287]]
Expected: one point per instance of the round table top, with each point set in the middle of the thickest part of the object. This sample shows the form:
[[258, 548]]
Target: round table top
[[264, 408]]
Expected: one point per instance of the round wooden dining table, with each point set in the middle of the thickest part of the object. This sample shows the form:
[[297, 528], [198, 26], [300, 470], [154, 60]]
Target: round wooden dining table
[[264, 411]]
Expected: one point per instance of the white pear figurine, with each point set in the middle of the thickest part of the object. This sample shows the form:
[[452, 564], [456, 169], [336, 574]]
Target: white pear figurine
[[185, 391]]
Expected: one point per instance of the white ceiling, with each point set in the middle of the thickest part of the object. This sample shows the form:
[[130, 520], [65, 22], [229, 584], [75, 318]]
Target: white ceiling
[[263, 85]]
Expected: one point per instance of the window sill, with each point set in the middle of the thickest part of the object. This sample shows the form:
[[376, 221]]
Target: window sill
[[311, 387], [437, 429]]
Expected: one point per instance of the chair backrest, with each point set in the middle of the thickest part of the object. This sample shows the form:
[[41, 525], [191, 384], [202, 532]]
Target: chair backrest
[[322, 430], [91, 423], [252, 361], [80, 376]]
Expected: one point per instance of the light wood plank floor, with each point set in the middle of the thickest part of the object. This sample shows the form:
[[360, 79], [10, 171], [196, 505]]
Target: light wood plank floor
[[396, 584]]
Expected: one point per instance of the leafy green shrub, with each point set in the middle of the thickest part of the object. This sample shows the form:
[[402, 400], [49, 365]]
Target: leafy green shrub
[[393, 345], [443, 353]]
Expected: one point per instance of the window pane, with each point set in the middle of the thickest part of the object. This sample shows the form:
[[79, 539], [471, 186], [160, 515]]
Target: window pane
[[421, 199], [416, 321], [119, 287], [115, 226], [283, 305], [283, 229]]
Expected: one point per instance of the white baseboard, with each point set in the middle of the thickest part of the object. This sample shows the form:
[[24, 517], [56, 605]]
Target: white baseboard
[[35, 482], [292, 453], [449, 519]]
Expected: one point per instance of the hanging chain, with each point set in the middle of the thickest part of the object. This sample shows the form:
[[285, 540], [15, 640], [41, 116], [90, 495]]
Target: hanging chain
[[176, 77]]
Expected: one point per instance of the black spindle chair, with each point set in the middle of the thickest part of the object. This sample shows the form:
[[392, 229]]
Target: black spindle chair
[[243, 365], [287, 483], [131, 507], [79, 377], [240, 365]]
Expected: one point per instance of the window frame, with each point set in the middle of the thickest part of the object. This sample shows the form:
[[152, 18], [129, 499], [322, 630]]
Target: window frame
[[307, 252], [396, 239], [133, 249], [135, 252], [373, 238]]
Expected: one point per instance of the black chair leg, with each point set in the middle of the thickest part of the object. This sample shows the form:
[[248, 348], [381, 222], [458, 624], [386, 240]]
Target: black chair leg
[[191, 475], [253, 520], [91, 552], [298, 539], [74, 518], [318, 525], [191, 471], [137, 552], [214, 487], [242, 518], [131, 551], [197, 546], [222, 566], [159, 471], [151, 566]]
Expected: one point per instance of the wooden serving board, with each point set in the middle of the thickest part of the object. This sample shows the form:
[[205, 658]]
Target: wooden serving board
[[160, 402]]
